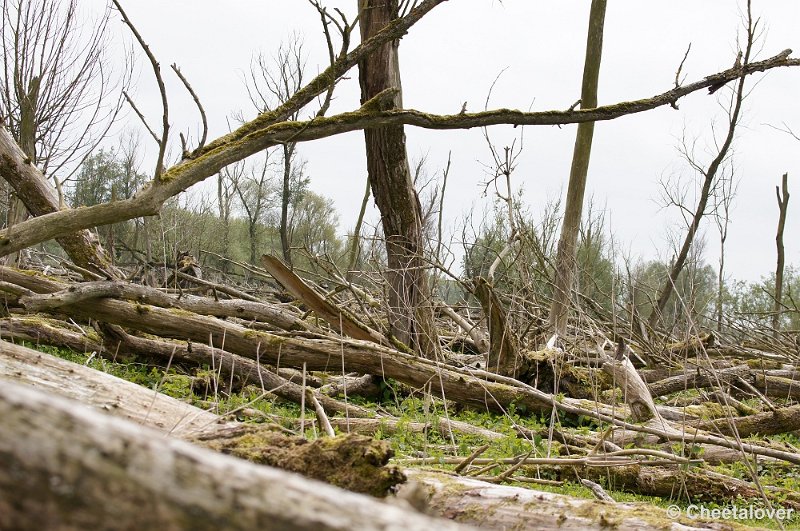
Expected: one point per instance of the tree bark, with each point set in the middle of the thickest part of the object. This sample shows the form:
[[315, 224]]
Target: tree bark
[[410, 311], [501, 507], [567, 244], [783, 204], [269, 129], [65, 466], [17, 212], [32, 188], [286, 244], [503, 343]]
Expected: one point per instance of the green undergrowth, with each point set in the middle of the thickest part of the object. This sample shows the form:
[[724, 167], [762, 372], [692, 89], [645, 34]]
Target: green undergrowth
[[414, 408]]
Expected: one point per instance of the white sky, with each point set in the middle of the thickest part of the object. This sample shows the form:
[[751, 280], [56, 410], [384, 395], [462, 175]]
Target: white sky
[[456, 52]]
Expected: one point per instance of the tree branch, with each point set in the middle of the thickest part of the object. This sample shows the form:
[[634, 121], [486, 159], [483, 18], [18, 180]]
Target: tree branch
[[264, 132]]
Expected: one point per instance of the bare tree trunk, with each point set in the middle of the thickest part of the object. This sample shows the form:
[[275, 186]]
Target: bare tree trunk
[[288, 152], [410, 311], [721, 281], [253, 232], [709, 175], [567, 244], [224, 206], [27, 143], [783, 204], [355, 244]]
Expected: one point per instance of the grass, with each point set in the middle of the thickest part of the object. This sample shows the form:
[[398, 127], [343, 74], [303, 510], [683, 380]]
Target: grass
[[200, 387]]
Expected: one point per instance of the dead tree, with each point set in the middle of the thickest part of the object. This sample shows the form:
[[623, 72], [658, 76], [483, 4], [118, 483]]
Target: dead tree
[[410, 311], [57, 95], [56, 98], [40, 197], [272, 128], [782, 195], [709, 174], [567, 244], [273, 85], [722, 206]]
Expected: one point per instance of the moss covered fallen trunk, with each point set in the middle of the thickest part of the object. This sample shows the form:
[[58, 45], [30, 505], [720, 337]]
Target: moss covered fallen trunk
[[353, 462]]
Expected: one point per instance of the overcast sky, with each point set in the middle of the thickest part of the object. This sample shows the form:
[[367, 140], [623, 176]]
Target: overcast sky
[[455, 54]]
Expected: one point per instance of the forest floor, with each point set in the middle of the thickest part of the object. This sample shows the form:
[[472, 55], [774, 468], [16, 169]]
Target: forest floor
[[655, 429], [418, 442]]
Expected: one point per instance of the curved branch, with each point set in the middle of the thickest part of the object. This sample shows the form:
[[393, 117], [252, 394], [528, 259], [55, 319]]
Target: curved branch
[[162, 144], [264, 132]]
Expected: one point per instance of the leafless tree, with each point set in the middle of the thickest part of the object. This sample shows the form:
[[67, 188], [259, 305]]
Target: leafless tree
[[60, 94], [379, 112], [271, 83], [782, 195], [710, 173], [254, 186], [567, 245], [723, 199]]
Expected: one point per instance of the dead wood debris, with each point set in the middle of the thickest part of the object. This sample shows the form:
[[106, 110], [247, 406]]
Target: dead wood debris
[[698, 417]]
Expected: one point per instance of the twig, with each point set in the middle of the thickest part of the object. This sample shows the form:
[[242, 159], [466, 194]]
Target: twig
[[141, 116], [196, 101], [597, 490], [474, 455], [674, 104], [162, 143], [321, 416]]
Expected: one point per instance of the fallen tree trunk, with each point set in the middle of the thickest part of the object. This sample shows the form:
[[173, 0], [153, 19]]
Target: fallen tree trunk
[[507, 505], [39, 196], [696, 379], [471, 388], [334, 460], [782, 420], [338, 319], [59, 461], [117, 344], [501, 507]]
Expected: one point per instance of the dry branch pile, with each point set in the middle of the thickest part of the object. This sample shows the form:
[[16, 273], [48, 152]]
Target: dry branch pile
[[300, 351]]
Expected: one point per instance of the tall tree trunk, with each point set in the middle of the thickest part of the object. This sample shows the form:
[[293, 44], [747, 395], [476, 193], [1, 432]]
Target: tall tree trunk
[[783, 204], [410, 311], [253, 232], [27, 143], [567, 244], [288, 152], [721, 281]]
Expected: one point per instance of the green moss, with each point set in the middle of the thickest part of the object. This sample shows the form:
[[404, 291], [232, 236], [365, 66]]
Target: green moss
[[710, 410]]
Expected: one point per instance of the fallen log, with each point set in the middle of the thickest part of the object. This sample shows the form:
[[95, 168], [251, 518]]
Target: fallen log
[[336, 317], [501, 507], [59, 462], [108, 456], [335, 460], [782, 420], [242, 309], [777, 387], [471, 388], [698, 379], [118, 345]]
